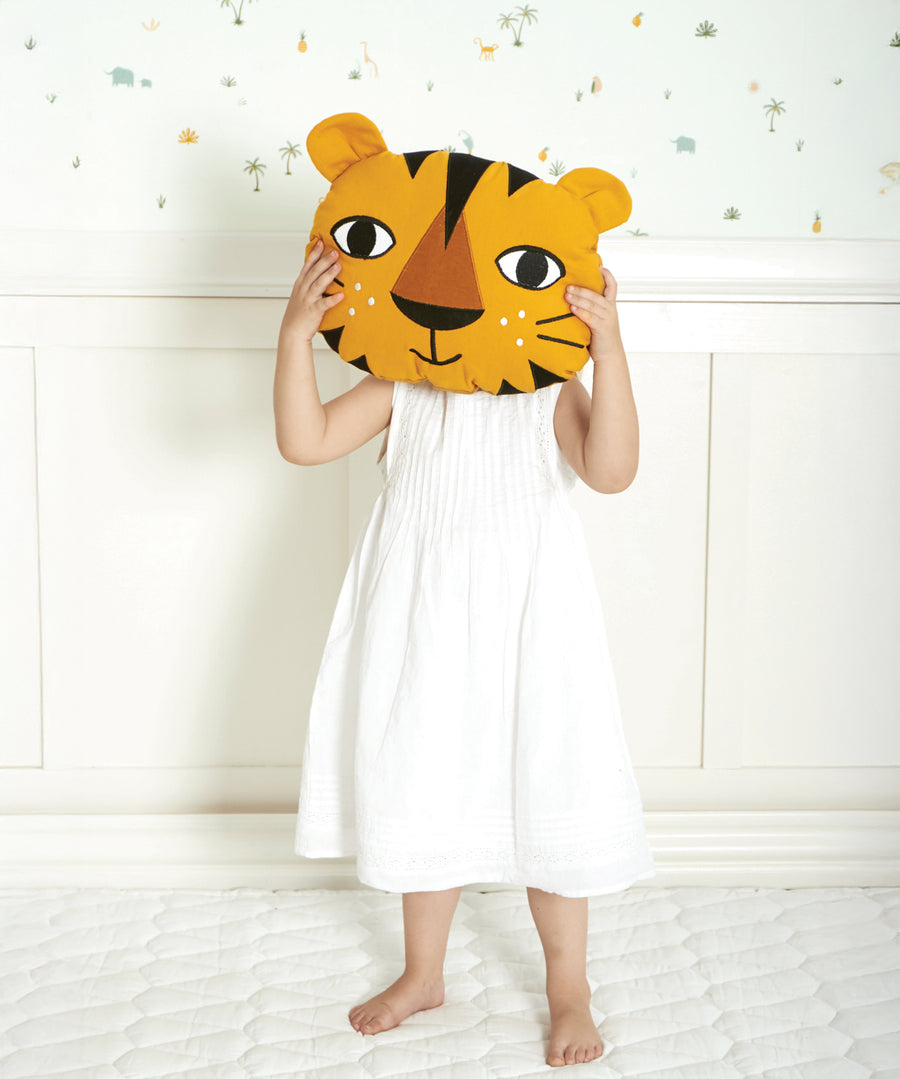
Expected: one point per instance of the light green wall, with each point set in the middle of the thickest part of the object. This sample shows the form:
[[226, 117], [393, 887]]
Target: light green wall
[[834, 148]]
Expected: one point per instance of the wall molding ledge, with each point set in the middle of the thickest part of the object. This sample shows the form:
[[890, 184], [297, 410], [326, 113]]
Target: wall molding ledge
[[710, 848], [266, 264]]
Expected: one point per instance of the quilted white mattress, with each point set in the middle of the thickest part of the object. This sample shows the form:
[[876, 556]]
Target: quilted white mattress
[[688, 983]]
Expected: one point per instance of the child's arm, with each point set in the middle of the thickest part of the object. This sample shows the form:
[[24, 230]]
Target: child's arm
[[307, 432], [611, 439]]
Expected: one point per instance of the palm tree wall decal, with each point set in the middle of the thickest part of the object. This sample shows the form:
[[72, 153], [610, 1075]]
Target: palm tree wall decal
[[774, 108], [524, 14], [255, 168], [238, 21], [289, 151]]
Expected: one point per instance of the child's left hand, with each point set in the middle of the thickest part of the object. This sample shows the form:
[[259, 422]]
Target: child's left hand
[[598, 312]]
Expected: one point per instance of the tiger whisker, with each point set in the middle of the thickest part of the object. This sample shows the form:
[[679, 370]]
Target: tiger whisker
[[556, 318], [559, 341]]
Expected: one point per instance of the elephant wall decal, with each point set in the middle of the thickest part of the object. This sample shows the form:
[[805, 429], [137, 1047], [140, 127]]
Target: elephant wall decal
[[121, 74], [683, 143]]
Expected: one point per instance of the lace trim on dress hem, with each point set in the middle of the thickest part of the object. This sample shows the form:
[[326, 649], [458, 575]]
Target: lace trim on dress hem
[[596, 856], [633, 842]]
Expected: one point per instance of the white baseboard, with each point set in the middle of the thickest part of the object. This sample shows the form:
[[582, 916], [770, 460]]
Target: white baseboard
[[712, 848]]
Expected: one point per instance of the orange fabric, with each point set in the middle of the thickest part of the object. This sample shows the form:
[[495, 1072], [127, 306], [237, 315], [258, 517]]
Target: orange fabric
[[480, 308]]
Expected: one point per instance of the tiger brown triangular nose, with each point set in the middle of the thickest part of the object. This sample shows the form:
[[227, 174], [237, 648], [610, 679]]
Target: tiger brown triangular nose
[[438, 288]]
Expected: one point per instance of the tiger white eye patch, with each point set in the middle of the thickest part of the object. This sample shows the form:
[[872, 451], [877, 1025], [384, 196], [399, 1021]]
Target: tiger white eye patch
[[446, 247]]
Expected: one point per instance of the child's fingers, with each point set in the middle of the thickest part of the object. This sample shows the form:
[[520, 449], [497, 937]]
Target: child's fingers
[[315, 253], [578, 294], [585, 298], [588, 320], [589, 317], [301, 281], [589, 307], [585, 307], [612, 286], [333, 300], [311, 288], [316, 259], [325, 272]]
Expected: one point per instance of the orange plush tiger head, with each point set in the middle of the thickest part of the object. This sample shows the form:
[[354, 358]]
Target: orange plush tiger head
[[453, 266]]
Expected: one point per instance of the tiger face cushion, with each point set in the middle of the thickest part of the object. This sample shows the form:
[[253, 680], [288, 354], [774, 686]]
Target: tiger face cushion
[[454, 267]]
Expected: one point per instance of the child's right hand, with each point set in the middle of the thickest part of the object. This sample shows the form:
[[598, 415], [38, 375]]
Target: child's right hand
[[308, 303]]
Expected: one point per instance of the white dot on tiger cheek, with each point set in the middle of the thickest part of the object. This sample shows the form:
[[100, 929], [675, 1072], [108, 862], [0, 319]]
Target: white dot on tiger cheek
[[357, 286], [371, 301], [520, 342], [504, 321], [521, 314], [352, 310]]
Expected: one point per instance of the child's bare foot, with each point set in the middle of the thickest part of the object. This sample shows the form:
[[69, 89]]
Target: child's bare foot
[[389, 1008], [573, 1034]]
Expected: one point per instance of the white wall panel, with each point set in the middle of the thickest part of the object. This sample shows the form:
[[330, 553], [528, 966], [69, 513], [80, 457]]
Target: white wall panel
[[648, 550], [20, 673], [189, 572], [803, 631]]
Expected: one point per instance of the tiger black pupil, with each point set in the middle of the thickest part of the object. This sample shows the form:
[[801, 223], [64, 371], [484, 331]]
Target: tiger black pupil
[[361, 238], [531, 269]]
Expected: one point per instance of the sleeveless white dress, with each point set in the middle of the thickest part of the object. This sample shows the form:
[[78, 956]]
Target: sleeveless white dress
[[464, 725]]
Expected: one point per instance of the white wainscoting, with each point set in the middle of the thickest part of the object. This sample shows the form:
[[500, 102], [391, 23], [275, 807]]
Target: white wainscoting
[[167, 580], [787, 849]]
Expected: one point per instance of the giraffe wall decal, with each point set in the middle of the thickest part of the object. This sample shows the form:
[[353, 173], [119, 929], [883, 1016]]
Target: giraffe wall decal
[[368, 59]]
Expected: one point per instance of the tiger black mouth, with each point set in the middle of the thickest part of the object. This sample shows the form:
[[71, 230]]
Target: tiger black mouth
[[433, 358], [433, 317]]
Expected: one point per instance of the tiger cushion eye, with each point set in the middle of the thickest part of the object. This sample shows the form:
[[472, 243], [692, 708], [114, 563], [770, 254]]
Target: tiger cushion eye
[[454, 267]]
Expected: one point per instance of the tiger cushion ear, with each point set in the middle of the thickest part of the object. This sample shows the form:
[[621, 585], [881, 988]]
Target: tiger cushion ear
[[341, 141], [605, 196]]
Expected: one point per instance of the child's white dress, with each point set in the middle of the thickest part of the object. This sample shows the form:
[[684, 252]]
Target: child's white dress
[[465, 725]]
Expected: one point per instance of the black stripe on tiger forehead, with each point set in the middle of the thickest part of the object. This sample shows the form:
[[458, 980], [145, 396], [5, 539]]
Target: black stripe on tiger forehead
[[463, 173]]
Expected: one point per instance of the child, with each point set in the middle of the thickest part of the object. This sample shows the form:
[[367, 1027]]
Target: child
[[465, 723]]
